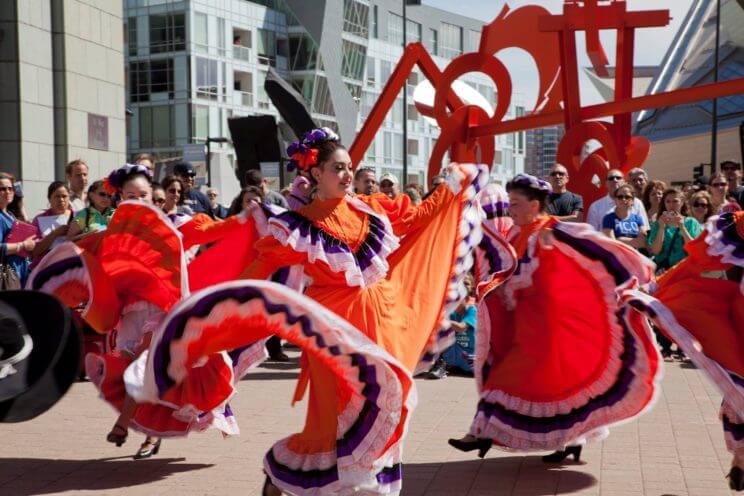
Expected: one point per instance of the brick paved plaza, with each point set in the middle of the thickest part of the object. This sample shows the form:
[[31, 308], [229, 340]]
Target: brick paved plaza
[[677, 449]]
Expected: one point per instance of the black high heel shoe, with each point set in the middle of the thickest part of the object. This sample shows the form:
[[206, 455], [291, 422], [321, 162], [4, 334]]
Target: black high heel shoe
[[559, 456], [482, 445], [736, 479], [148, 449], [118, 438]]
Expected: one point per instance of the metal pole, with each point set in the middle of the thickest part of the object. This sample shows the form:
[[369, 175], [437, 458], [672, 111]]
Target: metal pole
[[714, 127], [209, 165], [405, 104]]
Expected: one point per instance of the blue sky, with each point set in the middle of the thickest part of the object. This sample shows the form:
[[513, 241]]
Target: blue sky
[[651, 44]]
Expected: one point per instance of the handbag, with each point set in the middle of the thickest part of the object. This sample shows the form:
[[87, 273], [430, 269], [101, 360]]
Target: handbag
[[8, 276]]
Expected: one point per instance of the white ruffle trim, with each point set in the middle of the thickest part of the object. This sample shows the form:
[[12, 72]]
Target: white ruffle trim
[[465, 181], [716, 246], [345, 261]]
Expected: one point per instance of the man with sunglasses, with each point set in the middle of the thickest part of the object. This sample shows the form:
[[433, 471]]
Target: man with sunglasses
[[732, 171], [605, 205], [566, 206], [195, 199]]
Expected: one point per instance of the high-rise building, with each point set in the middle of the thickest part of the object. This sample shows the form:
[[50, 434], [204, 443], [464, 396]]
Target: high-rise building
[[61, 71], [542, 148], [194, 64]]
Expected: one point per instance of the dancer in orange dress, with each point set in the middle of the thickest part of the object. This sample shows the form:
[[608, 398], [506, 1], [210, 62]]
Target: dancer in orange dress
[[127, 277], [558, 358], [704, 315], [384, 273]]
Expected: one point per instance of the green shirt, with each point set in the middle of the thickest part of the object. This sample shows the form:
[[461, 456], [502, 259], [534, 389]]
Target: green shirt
[[90, 220], [673, 249]]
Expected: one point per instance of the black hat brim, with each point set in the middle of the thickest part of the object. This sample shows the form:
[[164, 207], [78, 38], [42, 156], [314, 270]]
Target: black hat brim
[[54, 362]]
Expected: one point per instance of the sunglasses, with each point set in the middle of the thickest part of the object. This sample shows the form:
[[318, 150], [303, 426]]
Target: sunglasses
[[6, 188], [558, 174], [700, 205], [624, 197], [103, 194], [158, 201], [730, 168], [719, 185], [614, 178]]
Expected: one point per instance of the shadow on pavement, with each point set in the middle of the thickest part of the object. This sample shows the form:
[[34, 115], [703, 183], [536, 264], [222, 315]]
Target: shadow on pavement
[[526, 475], [87, 475]]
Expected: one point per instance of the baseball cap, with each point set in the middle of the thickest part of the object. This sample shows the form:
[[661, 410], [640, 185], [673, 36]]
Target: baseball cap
[[184, 169], [389, 177]]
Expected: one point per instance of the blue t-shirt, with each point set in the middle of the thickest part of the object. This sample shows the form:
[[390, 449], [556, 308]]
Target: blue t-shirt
[[466, 339], [628, 227]]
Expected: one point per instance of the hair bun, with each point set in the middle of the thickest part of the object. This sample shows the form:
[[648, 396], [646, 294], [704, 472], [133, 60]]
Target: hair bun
[[115, 180]]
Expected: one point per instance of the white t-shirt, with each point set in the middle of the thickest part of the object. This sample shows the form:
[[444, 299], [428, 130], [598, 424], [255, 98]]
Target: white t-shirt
[[605, 205]]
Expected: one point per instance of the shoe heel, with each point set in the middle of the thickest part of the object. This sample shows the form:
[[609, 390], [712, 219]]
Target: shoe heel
[[156, 448], [575, 451], [484, 448]]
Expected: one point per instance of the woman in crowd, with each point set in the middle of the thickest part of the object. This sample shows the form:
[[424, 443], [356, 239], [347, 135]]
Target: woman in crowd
[[158, 195], [557, 362], [351, 249], [652, 194], [174, 199], [52, 224], [96, 216], [622, 224], [704, 315], [719, 191], [701, 206], [13, 255], [671, 230], [247, 196]]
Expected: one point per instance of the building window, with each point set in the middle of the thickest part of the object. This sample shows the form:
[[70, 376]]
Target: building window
[[199, 122], [451, 41], [386, 70], [303, 53], [157, 126], [221, 37], [370, 71], [267, 47], [395, 28], [148, 78], [387, 149], [413, 147], [206, 78], [473, 40], [433, 42], [167, 33], [201, 40], [413, 31], [354, 56], [322, 103], [374, 22], [356, 18], [132, 35]]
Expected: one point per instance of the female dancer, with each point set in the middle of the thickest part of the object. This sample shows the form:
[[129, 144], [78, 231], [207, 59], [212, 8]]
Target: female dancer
[[390, 296], [133, 273], [557, 359], [704, 315]]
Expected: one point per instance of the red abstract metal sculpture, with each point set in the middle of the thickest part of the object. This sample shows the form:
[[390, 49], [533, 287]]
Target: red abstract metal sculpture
[[467, 132]]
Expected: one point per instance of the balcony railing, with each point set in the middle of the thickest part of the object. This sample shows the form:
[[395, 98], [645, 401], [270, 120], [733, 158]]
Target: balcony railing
[[242, 53], [243, 98]]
